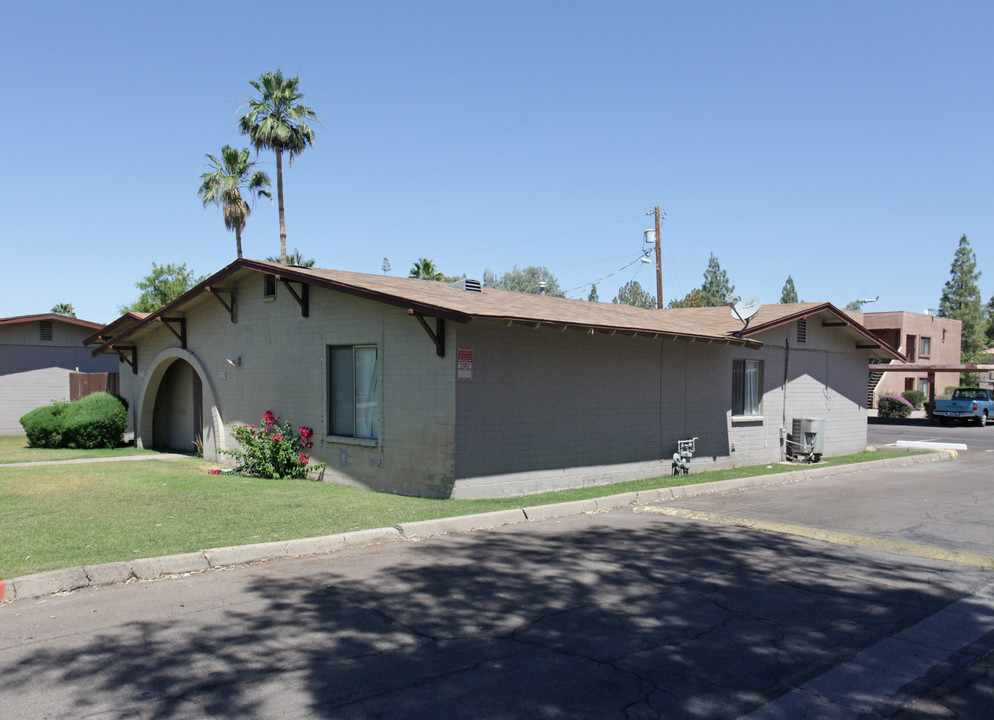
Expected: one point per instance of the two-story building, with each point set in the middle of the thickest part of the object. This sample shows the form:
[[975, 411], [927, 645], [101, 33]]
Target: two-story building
[[924, 340]]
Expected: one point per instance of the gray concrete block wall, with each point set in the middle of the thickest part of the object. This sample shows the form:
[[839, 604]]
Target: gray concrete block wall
[[546, 399], [527, 412], [283, 368], [22, 392], [822, 384]]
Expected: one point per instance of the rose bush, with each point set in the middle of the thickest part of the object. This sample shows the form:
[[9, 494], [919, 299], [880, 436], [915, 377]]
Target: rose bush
[[273, 450]]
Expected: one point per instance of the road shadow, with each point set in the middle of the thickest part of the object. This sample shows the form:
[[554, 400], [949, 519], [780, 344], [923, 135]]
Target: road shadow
[[555, 620]]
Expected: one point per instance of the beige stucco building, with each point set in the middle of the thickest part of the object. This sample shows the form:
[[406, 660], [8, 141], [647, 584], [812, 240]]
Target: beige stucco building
[[419, 388], [923, 340]]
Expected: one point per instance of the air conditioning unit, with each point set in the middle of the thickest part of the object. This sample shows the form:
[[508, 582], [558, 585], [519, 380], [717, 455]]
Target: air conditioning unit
[[808, 438]]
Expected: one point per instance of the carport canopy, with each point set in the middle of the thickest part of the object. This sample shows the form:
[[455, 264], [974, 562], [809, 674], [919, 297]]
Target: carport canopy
[[931, 370]]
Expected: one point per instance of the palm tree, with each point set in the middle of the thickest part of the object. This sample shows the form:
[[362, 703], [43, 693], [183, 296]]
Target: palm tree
[[231, 176], [293, 258], [425, 269], [277, 121], [64, 309]]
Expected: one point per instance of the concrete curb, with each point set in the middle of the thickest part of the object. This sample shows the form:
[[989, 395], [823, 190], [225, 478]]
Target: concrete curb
[[76, 578], [427, 528]]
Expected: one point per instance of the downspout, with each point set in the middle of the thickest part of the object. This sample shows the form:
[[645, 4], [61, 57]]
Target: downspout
[[783, 420], [662, 451]]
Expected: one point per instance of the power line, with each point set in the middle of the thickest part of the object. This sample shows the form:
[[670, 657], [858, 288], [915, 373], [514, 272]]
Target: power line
[[600, 279]]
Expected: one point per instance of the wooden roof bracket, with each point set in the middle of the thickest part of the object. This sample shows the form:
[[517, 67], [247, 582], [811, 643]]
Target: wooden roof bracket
[[181, 334], [230, 307], [132, 361], [303, 299], [437, 335]]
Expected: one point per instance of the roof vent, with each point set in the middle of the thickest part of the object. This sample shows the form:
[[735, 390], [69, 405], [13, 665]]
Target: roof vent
[[467, 285]]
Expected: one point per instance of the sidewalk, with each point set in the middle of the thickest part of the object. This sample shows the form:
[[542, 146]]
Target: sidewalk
[[75, 578], [79, 461]]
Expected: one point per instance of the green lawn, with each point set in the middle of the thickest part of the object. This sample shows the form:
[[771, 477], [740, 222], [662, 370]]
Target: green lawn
[[15, 449], [57, 516]]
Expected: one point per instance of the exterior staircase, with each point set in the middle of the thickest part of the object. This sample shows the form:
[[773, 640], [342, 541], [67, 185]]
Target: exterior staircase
[[871, 385]]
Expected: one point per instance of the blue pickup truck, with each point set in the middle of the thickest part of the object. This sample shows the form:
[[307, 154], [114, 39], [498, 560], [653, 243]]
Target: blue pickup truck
[[965, 404]]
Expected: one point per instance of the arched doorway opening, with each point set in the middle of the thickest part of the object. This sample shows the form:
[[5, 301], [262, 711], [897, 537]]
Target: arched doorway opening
[[178, 409], [178, 406]]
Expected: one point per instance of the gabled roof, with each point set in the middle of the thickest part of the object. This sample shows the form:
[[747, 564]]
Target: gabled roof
[[435, 299], [50, 316], [106, 332]]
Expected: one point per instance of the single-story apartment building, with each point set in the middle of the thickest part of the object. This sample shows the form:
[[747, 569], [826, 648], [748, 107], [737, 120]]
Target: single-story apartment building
[[420, 388], [37, 355]]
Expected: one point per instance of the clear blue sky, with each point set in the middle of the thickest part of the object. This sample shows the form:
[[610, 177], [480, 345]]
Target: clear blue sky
[[846, 144]]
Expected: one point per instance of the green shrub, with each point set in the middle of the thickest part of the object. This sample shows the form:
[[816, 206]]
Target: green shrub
[[43, 425], [894, 406], [915, 397], [95, 421]]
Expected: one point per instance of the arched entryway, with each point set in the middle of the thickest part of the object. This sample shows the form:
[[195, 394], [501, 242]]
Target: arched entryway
[[179, 408], [177, 413]]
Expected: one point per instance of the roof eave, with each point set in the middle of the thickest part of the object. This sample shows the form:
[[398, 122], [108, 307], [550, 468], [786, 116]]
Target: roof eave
[[635, 330], [827, 307]]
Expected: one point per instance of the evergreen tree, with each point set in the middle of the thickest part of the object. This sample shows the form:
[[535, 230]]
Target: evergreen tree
[[961, 301], [990, 322], [789, 292], [631, 293], [593, 293], [385, 267], [695, 298], [716, 288]]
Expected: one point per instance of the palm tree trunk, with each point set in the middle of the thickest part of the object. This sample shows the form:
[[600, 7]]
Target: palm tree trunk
[[279, 194], [238, 241]]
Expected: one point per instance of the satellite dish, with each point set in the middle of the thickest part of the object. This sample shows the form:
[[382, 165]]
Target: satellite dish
[[745, 309]]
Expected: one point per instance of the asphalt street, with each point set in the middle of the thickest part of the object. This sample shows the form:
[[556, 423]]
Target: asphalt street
[[856, 596]]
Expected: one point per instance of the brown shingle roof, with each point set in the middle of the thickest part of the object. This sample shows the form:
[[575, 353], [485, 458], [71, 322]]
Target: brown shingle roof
[[49, 316], [122, 323], [435, 299]]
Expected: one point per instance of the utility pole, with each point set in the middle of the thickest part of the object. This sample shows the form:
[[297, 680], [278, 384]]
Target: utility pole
[[659, 266]]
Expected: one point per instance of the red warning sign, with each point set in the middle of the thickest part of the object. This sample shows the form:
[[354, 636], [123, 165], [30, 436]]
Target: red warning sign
[[464, 363]]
